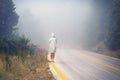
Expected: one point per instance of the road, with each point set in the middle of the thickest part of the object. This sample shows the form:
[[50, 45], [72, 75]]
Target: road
[[84, 65]]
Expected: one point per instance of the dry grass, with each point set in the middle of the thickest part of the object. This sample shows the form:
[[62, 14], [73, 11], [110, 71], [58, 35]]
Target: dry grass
[[115, 54], [106, 51], [33, 67]]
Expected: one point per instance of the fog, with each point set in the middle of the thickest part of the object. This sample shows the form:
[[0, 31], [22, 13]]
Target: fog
[[70, 20]]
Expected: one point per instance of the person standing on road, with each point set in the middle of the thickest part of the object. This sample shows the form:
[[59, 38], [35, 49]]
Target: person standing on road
[[52, 46]]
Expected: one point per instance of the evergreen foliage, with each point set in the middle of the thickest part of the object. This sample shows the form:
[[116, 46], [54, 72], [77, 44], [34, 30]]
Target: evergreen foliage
[[113, 37], [8, 18], [10, 42]]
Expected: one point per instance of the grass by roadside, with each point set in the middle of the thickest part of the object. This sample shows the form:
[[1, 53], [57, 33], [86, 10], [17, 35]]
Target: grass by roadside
[[115, 54], [25, 67]]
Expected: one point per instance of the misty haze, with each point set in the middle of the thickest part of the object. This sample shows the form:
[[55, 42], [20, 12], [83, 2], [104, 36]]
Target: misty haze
[[75, 23], [59, 39]]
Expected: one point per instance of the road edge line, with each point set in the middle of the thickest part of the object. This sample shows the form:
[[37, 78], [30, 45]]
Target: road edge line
[[100, 62], [57, 73], [114, 58]]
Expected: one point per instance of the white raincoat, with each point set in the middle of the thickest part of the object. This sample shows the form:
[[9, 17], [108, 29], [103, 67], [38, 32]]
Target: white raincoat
[[52, 43]]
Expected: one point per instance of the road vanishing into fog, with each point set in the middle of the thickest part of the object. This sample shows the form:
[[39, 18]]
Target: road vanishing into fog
[[84, 65]]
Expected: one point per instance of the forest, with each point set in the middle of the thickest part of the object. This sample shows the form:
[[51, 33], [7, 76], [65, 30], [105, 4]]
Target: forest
[[13, 44]]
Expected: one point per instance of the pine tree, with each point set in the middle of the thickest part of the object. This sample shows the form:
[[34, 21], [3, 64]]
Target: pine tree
[[8, 18], [113, 40]]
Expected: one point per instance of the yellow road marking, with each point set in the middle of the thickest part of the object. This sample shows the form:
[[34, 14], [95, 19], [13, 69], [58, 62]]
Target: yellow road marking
[[62, 76], [104, 55], [100, 62]]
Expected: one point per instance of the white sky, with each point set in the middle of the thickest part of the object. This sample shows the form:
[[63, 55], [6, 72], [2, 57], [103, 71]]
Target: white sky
[[68, 19]]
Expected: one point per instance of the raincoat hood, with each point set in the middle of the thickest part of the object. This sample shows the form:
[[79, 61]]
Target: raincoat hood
[[52, 35]]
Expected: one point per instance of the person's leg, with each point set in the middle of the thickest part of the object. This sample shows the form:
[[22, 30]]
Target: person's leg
[[49, 56], [52, 56]]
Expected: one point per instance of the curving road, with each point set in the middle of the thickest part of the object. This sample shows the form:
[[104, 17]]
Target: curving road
[[84, 65]]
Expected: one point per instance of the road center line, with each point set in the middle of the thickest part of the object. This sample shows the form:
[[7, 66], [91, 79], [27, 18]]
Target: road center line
[[100, 62], [58, 71]]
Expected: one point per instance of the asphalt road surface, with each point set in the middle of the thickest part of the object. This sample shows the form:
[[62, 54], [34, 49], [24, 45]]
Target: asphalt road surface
[[84, 65]]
